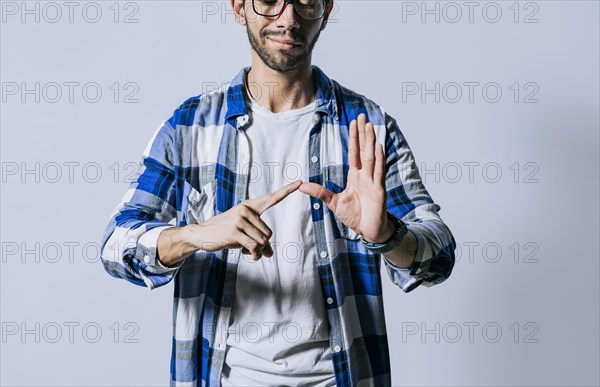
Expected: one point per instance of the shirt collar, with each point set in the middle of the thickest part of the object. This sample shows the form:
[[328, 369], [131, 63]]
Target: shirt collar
[[326, 98]]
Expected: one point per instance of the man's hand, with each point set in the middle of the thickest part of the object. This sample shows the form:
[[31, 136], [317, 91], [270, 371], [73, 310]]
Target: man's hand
[[362, 205], [241, 226]]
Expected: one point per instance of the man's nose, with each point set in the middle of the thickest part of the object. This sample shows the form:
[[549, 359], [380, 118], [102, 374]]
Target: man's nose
[[287, 16]]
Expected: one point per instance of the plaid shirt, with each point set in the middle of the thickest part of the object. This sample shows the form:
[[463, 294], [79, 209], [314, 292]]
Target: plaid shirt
[[192, 169]]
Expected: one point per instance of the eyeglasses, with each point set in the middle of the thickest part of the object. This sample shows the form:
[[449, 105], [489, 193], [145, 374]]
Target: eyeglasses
[[306, 9]]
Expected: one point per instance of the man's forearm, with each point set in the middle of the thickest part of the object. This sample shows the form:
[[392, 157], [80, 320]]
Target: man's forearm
[[174, 245], [403, 256]]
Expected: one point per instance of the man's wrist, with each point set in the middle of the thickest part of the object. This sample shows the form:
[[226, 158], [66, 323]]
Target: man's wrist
[[392, 242], [388, 232], [174, 245]]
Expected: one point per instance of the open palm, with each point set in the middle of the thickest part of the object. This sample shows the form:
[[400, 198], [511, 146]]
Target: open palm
[[362, 205]]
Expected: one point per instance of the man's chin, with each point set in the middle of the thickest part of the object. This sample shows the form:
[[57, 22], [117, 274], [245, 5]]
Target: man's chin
[[292, 62], [285, 67]]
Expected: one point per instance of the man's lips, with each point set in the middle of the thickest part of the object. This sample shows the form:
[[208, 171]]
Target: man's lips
[[285, 44]]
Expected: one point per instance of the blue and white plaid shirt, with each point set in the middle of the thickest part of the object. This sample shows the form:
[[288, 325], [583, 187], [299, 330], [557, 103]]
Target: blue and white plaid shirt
[[192, 169]]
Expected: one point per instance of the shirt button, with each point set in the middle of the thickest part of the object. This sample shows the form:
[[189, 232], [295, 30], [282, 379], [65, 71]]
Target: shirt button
[[329, 300], [316, 118], [314, 159], [418, 271], [323, 254], [146, 258], [336, 349], [316, 206]]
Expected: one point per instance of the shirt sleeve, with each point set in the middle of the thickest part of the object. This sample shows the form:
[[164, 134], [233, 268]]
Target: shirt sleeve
[[408, 199], [129, 244]]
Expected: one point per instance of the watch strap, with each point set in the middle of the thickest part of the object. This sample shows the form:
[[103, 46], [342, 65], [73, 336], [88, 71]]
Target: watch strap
[[393, 242]]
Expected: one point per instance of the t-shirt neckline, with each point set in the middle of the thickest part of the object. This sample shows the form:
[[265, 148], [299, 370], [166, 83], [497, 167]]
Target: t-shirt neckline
[[263, 111]]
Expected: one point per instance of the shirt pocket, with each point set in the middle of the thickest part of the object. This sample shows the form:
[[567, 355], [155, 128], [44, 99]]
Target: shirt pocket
[[200, 204]]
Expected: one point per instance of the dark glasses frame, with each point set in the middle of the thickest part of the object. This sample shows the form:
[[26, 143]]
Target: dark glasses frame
[[285, 3]]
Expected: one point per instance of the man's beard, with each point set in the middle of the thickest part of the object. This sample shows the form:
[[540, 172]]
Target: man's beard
[[282, 61]]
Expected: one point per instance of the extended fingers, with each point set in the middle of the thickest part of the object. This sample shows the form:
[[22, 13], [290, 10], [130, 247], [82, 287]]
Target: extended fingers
[[362, 120], [361, 148], [265, 202], [369, 153], [379, 172], [354, 146]]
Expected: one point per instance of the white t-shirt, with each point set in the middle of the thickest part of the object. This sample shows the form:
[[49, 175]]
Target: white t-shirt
[[278, 333]]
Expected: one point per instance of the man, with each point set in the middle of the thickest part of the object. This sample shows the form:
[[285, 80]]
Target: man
[[278, 282]]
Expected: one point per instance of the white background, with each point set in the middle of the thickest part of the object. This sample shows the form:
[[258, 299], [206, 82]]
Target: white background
[[544, 203]]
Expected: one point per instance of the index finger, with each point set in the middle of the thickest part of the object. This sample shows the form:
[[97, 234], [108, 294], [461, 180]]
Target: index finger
[[267, 201]]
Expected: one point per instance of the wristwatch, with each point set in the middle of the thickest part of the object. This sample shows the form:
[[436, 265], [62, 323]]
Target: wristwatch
[[391, 243]]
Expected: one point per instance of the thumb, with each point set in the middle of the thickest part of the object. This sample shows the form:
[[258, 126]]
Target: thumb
[[319, 192]]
